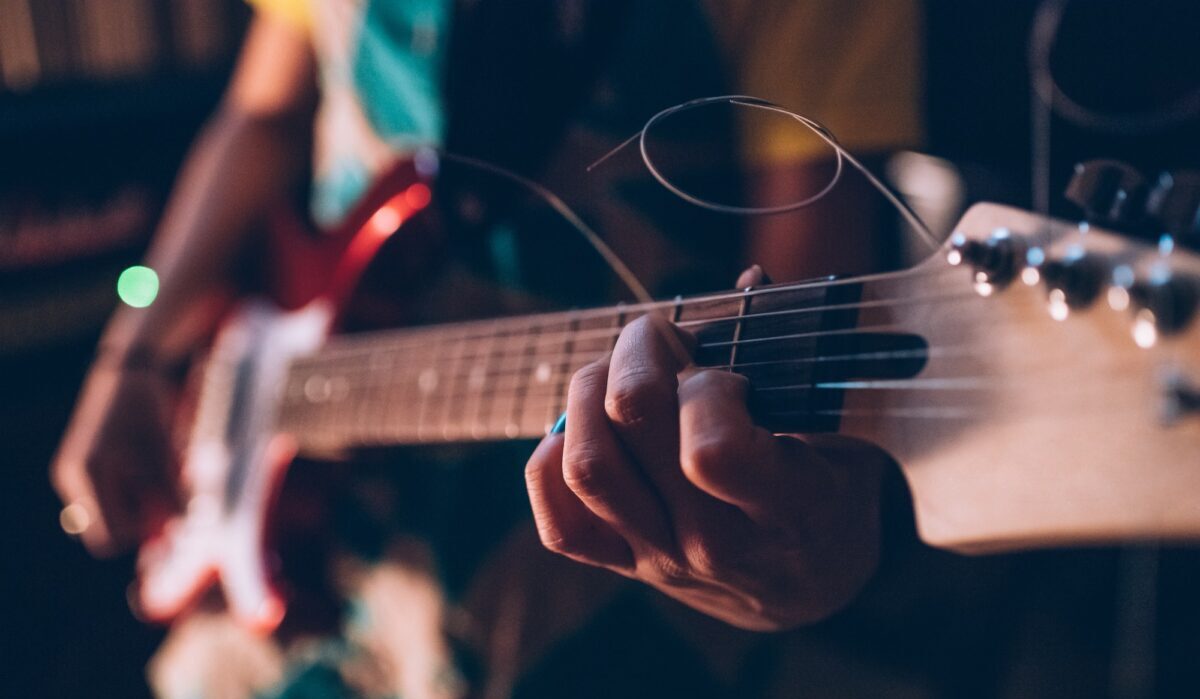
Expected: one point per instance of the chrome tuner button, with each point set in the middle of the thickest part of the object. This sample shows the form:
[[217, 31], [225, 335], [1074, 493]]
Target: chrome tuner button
[[1180, 398], [1167, 300], [994, 261], [1108, 191], [1073, 281]]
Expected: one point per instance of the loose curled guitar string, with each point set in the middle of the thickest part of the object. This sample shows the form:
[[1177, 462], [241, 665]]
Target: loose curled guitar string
[[614, 261], [841, 155]]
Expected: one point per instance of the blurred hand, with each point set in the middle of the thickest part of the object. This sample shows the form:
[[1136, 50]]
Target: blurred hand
[[662, 476], [115, 468]]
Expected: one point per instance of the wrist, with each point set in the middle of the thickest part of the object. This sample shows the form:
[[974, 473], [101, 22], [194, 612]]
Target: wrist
[[135, 358]]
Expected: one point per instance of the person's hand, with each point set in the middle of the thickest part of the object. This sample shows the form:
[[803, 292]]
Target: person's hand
[[115, 468], [662, 476]]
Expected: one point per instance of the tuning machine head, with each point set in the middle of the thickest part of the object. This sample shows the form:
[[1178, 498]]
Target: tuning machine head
[[1109, 192], [1073, 280], [995, 260], [1165, 300], [1173, 204]]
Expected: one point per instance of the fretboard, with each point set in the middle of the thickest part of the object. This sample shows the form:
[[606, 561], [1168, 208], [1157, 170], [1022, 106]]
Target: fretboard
[[508, 378]]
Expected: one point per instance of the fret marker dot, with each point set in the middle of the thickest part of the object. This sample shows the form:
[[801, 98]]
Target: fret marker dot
[[512, 430], [317, 389], [543, 372], [427, 381], [475, 380]]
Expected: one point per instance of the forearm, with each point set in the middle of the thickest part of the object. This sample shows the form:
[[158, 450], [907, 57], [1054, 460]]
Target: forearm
[[249, 156], [240, 165]]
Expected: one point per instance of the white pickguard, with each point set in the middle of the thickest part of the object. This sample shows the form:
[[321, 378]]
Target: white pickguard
[[231, 470]]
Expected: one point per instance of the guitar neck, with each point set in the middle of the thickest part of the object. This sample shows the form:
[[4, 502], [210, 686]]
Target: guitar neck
[[508, 378]]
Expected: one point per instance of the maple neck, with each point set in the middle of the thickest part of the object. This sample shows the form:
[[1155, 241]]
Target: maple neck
[[508, 378]]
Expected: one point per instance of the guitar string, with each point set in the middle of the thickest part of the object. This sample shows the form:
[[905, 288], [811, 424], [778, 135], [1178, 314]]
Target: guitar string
[[544, 403], [524, 323], [466, 394], [555, 397], [507, 346], [536, 419], [486, 380], [517, 352], [529, 338], [549, 406], [497, 366], [549, 389], [552, 401], [465, 434]]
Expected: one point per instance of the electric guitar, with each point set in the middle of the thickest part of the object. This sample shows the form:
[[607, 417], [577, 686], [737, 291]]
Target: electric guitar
[[1037, 381]]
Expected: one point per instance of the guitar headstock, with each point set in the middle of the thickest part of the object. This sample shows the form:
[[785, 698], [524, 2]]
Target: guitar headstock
[[1060, 403]]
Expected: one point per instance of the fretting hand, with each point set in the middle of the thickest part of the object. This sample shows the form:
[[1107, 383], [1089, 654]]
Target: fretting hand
[[662, 476]]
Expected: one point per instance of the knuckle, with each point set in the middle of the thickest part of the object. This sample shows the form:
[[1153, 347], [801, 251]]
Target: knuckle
[[703, 560], [589, 378], [561, 539], [637, 396], [585, 472], [668, 571], [711, 460]]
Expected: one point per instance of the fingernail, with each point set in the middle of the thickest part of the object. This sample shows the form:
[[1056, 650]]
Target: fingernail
[[560, 426]]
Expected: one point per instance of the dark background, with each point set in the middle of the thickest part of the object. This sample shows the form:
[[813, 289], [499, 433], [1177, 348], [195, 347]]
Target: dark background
[[73, 140]]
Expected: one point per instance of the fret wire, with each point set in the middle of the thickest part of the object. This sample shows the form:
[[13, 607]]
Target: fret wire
[[482, 407], [737, 328], [523, 367], [564, 371], [454, 376], [618, 327], [383, 364], [424, 376]]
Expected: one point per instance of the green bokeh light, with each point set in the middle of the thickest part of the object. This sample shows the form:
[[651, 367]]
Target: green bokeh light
[[137, 286]]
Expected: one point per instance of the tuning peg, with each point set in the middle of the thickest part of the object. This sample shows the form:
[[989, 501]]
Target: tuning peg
[[1180, 398], [1174, 205], [1165, 299], [1073, 281], [1108, 191], [994, 260]]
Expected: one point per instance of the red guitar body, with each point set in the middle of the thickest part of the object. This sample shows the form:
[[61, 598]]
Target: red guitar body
[[233, 464]]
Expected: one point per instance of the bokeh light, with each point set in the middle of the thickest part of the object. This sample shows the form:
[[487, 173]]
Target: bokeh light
[[138, 286]]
